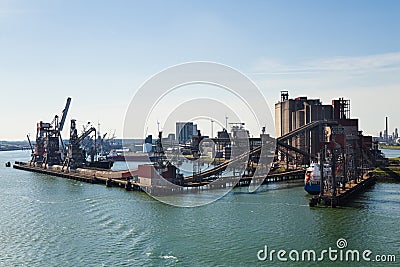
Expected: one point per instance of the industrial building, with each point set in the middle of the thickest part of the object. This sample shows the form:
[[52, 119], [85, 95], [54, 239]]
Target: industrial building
[[291, 114], [386, 138], [304, 126]]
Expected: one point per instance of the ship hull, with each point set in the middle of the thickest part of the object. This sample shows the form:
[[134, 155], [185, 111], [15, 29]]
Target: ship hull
[[106, 164], [133, 158], [312, 189]]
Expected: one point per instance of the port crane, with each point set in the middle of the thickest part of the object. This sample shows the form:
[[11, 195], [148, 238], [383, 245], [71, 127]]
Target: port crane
[[76, 155], [30, 144], [48, 139], [103, 144]]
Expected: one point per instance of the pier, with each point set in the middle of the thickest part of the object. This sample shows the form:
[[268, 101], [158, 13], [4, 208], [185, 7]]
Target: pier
[[343, 194], [124, 179], [277, 177], [92, 176]]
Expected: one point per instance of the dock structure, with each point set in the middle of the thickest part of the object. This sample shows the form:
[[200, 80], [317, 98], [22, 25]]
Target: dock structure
[[343, 194], [125, 179], [93, 176], [275, 177]]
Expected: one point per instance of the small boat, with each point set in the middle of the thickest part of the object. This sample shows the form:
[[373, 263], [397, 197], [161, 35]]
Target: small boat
[[312, 179]]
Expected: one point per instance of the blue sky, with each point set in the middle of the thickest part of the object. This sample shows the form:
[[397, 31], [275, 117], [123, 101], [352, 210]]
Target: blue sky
[[100, 52]]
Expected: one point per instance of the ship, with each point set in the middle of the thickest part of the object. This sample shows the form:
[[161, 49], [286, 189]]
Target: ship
[[125, 155], [100, 163], [312, 179], [130, 156]]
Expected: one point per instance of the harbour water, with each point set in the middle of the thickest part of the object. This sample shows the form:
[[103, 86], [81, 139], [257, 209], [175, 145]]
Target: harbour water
[[51, 221], [391, 153]]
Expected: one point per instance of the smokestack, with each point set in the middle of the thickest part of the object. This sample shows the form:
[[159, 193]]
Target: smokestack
[[387, 130]]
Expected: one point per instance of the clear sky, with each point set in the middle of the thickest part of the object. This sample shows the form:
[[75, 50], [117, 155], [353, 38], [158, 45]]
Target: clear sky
[[100, 52]]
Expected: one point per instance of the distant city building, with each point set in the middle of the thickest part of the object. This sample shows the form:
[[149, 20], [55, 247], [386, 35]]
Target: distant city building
[[148, 144], [149, 139], [169, 140], [184, 131], [171, 137], [194, 129]]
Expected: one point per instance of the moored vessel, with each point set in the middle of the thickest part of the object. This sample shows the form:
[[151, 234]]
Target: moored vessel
[[312, 179]]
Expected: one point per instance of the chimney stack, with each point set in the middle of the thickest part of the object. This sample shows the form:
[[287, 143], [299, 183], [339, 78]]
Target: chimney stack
[[387, 130]]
